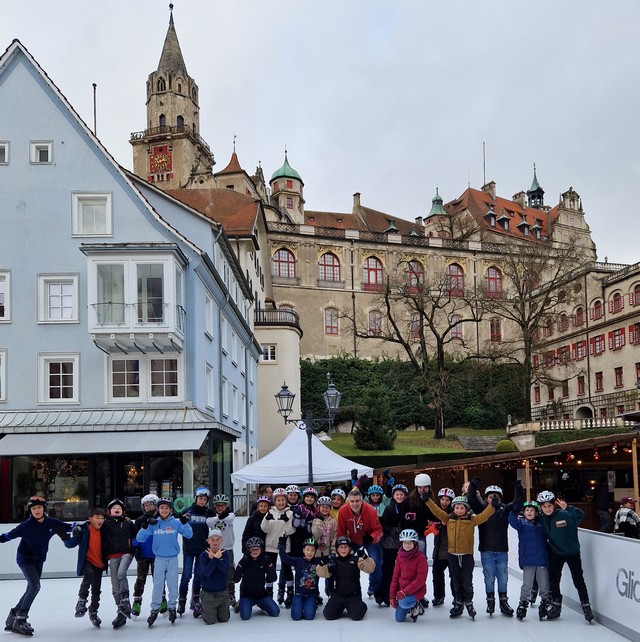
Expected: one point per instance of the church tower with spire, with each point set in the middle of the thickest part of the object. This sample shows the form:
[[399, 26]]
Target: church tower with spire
[[535, 194], [170, 151]]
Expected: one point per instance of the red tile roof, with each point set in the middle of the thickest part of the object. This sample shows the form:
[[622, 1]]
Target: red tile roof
[[233, 167], [372, 221]]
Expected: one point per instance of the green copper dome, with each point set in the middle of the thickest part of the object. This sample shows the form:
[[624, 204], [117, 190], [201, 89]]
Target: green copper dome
[[437, 208], [286, 171]]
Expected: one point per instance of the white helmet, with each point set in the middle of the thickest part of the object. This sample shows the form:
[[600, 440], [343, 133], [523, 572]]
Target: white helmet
[[447, 492], [408, 535], [339, 492], [422, 479], [149, 499], [546, 496], [493, 489]]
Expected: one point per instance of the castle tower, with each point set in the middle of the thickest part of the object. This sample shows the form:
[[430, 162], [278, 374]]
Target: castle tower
[[535, 194], [286, 189], [170, 150]]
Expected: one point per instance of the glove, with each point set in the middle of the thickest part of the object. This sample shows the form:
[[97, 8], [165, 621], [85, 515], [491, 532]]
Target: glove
[[62, 532], [323, 560], [77, 531], [393, 602], [362, 553], [367, 539], [386, 474], [424, 496], [153, 521], [495, 502], [269, 516], [354, 474], [476, 481], [400, 595], [284, 517], [184, 519]]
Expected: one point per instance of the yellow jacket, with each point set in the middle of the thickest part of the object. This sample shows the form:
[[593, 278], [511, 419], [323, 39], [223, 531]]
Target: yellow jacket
[[460, 531]]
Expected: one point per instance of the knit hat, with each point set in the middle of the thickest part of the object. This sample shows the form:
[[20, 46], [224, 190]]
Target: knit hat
[[214, 532]]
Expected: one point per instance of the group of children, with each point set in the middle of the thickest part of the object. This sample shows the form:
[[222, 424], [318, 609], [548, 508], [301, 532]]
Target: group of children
[[331, 537]]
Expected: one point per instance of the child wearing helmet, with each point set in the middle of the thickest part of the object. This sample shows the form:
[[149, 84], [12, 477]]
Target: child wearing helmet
[[460, 525], [419, 515], [533, 557], [305, 597], [343, 570], [376, 497], [560, 523], [223, 519], [338, 498], [144, 553], [441, 548], [197, 514], [303, 515], [324, 528], [35, 532], [494, 541], [256, 573], [253, 526], [408, 585]]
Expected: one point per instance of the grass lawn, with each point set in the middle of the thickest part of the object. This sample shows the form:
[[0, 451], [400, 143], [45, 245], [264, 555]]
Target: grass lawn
[[411, 442]]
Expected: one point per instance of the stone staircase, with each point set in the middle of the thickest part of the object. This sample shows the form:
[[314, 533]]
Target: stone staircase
[[483, 444]]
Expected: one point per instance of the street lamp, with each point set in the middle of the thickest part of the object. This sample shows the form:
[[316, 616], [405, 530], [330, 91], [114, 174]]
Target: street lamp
[[284, 401]]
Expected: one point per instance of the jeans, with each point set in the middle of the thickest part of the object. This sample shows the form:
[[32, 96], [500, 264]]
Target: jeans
[[404, 606], [304, 606], [118, 567], [32, 573], [165, 570], [267, 604], [375, 553], [494, 567], [91, 579], [190, 568]]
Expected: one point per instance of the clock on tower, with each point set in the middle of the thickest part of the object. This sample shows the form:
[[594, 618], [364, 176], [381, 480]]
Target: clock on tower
[[160, 160]]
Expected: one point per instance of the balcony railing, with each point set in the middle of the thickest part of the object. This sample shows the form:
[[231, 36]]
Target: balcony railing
[[277, 317], [175, 129]]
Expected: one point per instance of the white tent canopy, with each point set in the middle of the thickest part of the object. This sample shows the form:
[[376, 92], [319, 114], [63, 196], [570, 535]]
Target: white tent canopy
[[287, 464]]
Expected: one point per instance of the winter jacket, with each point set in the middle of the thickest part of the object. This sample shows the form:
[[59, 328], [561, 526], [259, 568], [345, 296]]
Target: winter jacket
[[441, 539], [276, 524], [34, 545], [224, 521], [532, 542], [627, 523], [561, 529], [345, 573], [393, 521], [410, 573], [118, 534], [253, 575], [493, 533], [355, 527], [82, 542], [143, 550], [253, 528], [303, 517], [384, 502], [324, 531], [306, 575], [213, 572], [417, 506], [198, 516], [165, 536], [460, 529]]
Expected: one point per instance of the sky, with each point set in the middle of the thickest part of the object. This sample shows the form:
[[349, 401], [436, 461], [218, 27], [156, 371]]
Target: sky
[[389, 98]]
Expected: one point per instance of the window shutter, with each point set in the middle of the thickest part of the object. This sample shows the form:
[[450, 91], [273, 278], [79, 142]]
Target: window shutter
[[631, 333], [592, 313], [622, 337], [610, 340], [536, 361], [574, 351], [592, 345], [610, 304], [632, 298]]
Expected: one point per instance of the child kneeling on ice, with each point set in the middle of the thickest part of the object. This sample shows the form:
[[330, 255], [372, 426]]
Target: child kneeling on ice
[[408, 585], [214, 566], [305, 587]]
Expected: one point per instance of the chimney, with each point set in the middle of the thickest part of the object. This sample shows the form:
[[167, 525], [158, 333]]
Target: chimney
[[419, 221], [490, 188], [521, 199], [356, 199]]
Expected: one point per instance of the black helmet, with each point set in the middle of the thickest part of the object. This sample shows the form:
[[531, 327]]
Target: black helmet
[[36, 500], [254, 542], [343, 539], [115, 502]]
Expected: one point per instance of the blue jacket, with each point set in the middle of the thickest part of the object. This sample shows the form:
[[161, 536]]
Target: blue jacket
[[306, 576], [82, 542], [165, 536], [213, 572], [532, 542], [34, 545], [143, 550]]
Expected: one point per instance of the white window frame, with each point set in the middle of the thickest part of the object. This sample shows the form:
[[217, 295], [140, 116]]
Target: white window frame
[[35, 147], [46, 358], [6, 145], [224, 332], [234, 348], [243, 410], [225, 397], [144, 378], [208, 315], [44, 282], [234, 404], [210, 388], [243, 359], [269, 353], [86, 198], [5, 277], [3, 375]]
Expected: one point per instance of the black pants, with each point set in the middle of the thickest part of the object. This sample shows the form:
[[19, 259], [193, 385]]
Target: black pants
[[286, 572], [438, 568], [144, 566], [91, 579], [556, 564], [388, 563], [337, 604], [461, 572]]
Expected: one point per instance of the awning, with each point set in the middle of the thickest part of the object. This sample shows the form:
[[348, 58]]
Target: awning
[[90, 443]]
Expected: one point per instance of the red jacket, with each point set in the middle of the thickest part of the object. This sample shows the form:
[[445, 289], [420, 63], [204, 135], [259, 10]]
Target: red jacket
[[356, 526], [410, 573]]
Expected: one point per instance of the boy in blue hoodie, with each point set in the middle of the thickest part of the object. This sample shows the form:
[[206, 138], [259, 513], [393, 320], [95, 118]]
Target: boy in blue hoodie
[[214, 567], [533, 557], [165, 530]]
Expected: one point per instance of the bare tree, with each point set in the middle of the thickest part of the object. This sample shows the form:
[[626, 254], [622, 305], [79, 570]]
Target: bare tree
[[537, 284], [425, 316]]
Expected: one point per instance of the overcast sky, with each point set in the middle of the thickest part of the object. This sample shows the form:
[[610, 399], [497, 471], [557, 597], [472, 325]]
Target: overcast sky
[[387, 98]]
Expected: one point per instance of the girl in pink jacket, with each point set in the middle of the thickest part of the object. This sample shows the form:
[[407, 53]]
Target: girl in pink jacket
[[409, 583]]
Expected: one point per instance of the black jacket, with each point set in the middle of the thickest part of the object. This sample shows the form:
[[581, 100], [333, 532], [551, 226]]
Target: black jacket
[[253, 575], [345, 575], [118, 533], [253, 529], [198, 516]]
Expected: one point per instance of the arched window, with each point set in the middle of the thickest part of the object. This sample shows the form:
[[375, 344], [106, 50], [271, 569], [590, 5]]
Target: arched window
[[493, 282], [563, 323], [375, 323], [616, 303], [162, 121], [495, 329], [162, 85], [455, 280], [635, 295], [331, 321], [372, 274], [456, 326], [415, 275], [180, 121], [329, 267], [179, 88], [597, 310], [578, 318], [284, 264]]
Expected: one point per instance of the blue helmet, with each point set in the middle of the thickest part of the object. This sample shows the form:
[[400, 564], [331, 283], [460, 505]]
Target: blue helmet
[[375, 489]]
